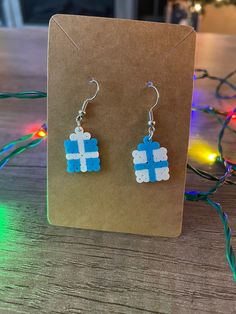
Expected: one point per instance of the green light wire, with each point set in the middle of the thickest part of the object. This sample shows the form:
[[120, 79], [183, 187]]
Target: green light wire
[[214, 112], [206, 175], [13, 143], [24, 95], [20, 150], [203, 73], [227, 232], [220, 138], [204, 196], [200, 196]]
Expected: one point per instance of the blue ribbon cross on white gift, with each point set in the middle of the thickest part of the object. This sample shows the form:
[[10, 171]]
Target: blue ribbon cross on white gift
[[150, 162], [82, 152]]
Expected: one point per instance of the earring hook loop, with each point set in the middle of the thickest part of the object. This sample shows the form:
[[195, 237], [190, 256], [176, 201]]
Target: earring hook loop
[[82, 112], [85, 103], [151, 121]]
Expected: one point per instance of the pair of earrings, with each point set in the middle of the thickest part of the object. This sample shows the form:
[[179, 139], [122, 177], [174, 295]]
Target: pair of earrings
[[150, 160]]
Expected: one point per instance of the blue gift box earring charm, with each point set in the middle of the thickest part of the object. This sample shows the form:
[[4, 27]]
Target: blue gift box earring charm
[[150, 159], [81, 150]]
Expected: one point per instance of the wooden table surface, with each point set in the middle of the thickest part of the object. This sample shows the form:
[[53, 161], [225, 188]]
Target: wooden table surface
[[47, 269]]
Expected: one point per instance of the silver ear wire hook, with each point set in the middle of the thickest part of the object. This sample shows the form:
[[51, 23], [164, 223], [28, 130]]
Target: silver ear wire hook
[[82, 111], [151, 121]]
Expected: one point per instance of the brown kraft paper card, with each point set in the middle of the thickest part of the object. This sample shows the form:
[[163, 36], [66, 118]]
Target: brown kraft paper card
[[122, 55]]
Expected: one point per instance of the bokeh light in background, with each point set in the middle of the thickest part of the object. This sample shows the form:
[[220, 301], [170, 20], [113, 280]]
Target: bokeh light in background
[[201, 152]]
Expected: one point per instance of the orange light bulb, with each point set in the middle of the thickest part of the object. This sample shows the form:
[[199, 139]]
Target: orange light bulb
[[41, 133]]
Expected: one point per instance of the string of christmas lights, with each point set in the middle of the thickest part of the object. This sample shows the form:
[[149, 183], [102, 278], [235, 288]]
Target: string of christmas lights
[[218, 114], [216, 158], [37, 137], [203, 73], [205, 196], [229, 165], [222, 117]]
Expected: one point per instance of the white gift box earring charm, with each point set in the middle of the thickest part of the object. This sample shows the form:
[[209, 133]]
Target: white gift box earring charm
[[150, 159], [81, 150]]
